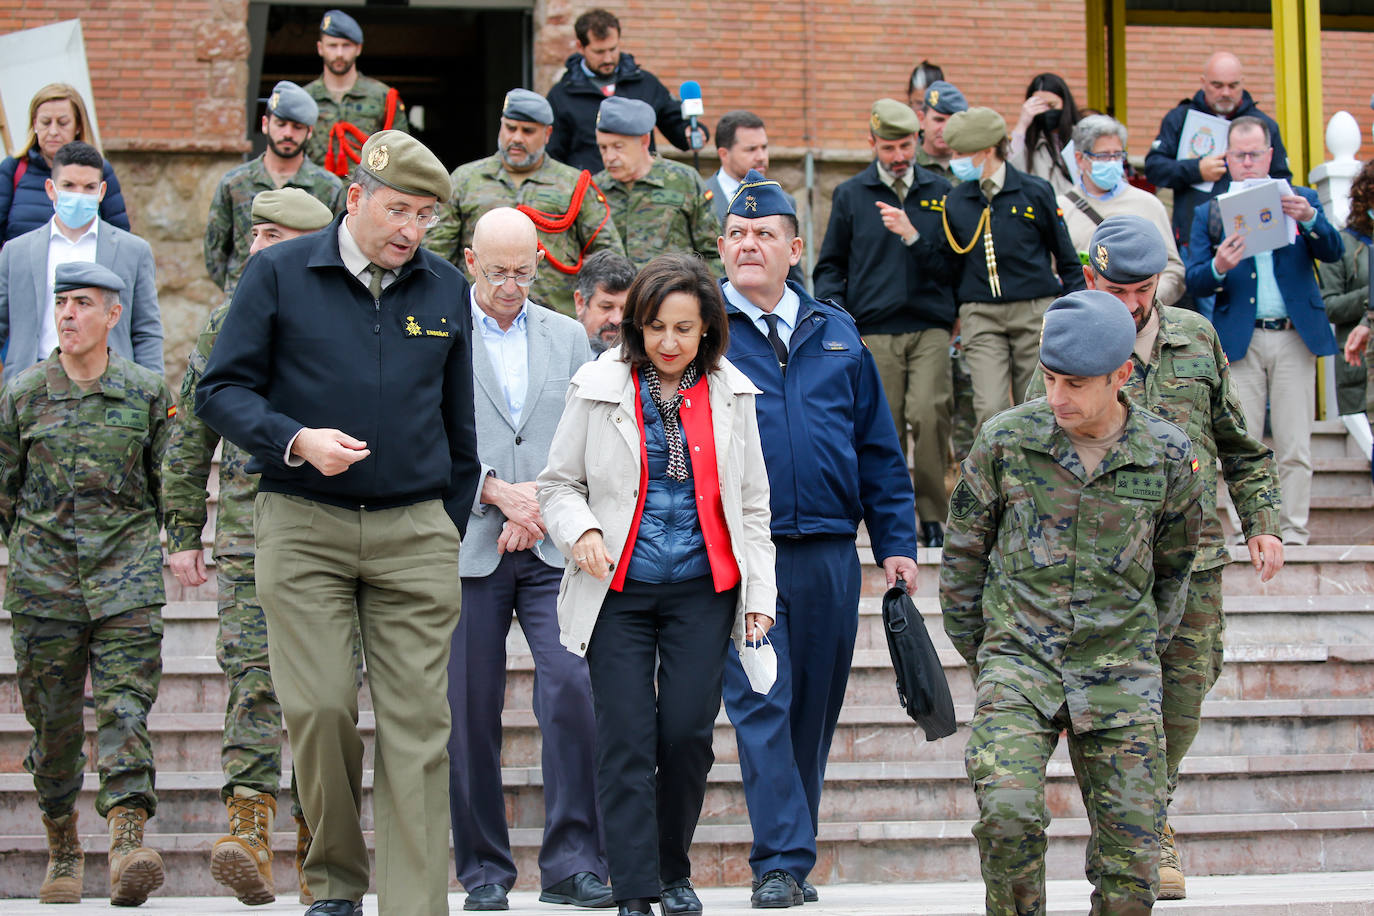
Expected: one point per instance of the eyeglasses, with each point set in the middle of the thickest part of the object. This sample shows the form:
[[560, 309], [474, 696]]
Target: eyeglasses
[[1107, 157], [522, 280], [1246, 155], [423, 219]]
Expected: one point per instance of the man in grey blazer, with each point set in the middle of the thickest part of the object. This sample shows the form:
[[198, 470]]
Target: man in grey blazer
[[523, 356], [75, 233]]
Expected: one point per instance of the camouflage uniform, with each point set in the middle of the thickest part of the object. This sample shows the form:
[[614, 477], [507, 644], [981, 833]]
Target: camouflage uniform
[[1187, 382], [667, 209], [363, 105], [928, 162], [229, 234], [485, 185], [1060, 589], [79, 485]]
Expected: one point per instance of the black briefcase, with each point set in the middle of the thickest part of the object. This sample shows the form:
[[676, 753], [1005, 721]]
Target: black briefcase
[[921, 685]]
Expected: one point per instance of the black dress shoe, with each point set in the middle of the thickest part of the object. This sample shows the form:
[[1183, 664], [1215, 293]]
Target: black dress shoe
[[777, 890], [932, 534], [335, 908], [636, 908], [809, 892], [487, 897], [582, 889], [679, 897]]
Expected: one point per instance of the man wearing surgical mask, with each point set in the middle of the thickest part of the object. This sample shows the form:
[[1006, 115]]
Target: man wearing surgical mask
[[1102, 191], [28, 332]]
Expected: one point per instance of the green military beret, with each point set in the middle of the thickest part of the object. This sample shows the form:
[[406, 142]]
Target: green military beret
[[889, 119], [975, 129], [293, 208], [399, 161]]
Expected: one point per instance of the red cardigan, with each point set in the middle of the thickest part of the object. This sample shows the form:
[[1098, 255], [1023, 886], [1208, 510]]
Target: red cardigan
[[695, 417]]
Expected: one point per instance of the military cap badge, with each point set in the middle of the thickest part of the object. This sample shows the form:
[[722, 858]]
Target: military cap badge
[[750, 203], [272, 102], [1101, 257], [324, 26], [933, 97], [378, 158], [875, 121]]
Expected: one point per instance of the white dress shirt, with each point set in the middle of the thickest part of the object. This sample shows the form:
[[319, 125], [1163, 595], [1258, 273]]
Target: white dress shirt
[[728, 185], [509, 354], [786, 310], [61, 250]]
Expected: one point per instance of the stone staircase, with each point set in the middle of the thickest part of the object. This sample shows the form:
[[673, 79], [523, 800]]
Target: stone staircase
[[1281, 778]]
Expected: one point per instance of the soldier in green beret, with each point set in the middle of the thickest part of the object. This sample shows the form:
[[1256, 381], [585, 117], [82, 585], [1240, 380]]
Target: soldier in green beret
[[288, 124], [1072, 532], [352, 106], [658, 205], [571, 215], [251, 758], [81, 440]]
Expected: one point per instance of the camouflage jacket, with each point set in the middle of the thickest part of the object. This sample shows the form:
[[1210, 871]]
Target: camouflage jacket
[[485, 185], [667, 209], [363, 105], [229, 234], [928, 162], [186, 468], [1067, 586], [79, 485], [1188, 383]]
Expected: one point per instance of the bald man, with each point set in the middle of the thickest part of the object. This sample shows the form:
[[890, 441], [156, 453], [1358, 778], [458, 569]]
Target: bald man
[[522, 356], [1223, 95]]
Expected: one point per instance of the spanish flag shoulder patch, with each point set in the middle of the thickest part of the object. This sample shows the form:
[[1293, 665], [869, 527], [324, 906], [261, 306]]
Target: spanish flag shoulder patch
[[171, 411]]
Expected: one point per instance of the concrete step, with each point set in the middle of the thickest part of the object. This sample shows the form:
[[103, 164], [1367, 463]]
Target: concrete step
[[848, 851]]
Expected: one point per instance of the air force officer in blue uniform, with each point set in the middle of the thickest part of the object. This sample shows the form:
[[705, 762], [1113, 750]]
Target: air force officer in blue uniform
[[833, 460]]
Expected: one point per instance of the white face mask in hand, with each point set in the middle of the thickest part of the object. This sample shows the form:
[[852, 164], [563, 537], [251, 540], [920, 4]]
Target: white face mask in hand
[[760, 664]]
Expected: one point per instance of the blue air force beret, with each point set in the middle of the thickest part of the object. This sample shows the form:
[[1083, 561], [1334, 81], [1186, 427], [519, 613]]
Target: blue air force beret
[[945, 98], [1127, 249], [629, 117], [84, 275], [341, 25], [523, 105], [758, 196], [1086, 333], [292, 103]]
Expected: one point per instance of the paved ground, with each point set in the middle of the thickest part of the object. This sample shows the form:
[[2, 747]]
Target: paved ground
[[1330, 894]]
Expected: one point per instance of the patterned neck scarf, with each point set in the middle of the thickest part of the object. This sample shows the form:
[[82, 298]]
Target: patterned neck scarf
[[677, 460]]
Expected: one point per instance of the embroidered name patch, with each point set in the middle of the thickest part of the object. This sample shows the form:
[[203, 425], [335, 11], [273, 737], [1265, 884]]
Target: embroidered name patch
[[1140, 486], [126, 417]]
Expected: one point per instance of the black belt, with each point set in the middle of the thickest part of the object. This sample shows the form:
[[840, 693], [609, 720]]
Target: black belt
[[1273, 324]]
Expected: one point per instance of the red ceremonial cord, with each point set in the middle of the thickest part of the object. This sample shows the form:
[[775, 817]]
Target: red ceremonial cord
[[558, 223]]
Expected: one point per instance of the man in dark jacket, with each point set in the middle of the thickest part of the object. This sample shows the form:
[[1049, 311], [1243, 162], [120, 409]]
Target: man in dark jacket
[[1222, 94], [345, 368], [885, 261], [601, 70]]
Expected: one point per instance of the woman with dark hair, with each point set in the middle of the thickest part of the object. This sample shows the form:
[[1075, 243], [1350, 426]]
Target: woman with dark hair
[[57, 116], [657, 490], [1044, 129], [1346, 293]]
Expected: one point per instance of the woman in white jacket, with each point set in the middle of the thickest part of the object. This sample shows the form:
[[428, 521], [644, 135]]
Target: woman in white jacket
[[656, 489]]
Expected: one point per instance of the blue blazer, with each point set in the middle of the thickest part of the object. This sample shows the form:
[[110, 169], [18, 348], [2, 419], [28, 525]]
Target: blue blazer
[[1294, 269]]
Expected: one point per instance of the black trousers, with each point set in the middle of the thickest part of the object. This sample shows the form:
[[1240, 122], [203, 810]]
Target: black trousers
[[654, 747]]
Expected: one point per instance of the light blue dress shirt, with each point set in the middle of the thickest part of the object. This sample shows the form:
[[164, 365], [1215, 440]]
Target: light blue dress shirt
[[786, 310], [508, 351]]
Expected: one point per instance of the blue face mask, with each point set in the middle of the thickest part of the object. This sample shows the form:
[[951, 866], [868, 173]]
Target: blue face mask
[[1107, 175], [964, 169], [76, 210]]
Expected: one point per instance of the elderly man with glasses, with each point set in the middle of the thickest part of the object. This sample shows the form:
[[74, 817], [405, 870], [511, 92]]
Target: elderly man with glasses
[[1270, 316], [1102, 192], [344, 368]]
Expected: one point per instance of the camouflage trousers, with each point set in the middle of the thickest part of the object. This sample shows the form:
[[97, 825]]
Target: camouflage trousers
[[251, 753], [1191, 665], [1120, 775], [124, 656]]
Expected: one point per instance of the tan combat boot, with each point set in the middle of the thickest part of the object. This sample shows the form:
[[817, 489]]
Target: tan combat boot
[[135, 870], [302, 848], [1171, 886], [243, 859], [66, 861]]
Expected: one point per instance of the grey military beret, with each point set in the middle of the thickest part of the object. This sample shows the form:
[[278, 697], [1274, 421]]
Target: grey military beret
[[523, 105], [1086, 333], [945, 98], [399, 161], [294, 208], [630, 117], [292, 103], [974, 129], [1127, 249], [341, 25], [84, 275]]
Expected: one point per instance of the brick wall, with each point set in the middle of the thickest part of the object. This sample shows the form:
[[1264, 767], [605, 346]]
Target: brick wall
[[167, 76]]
